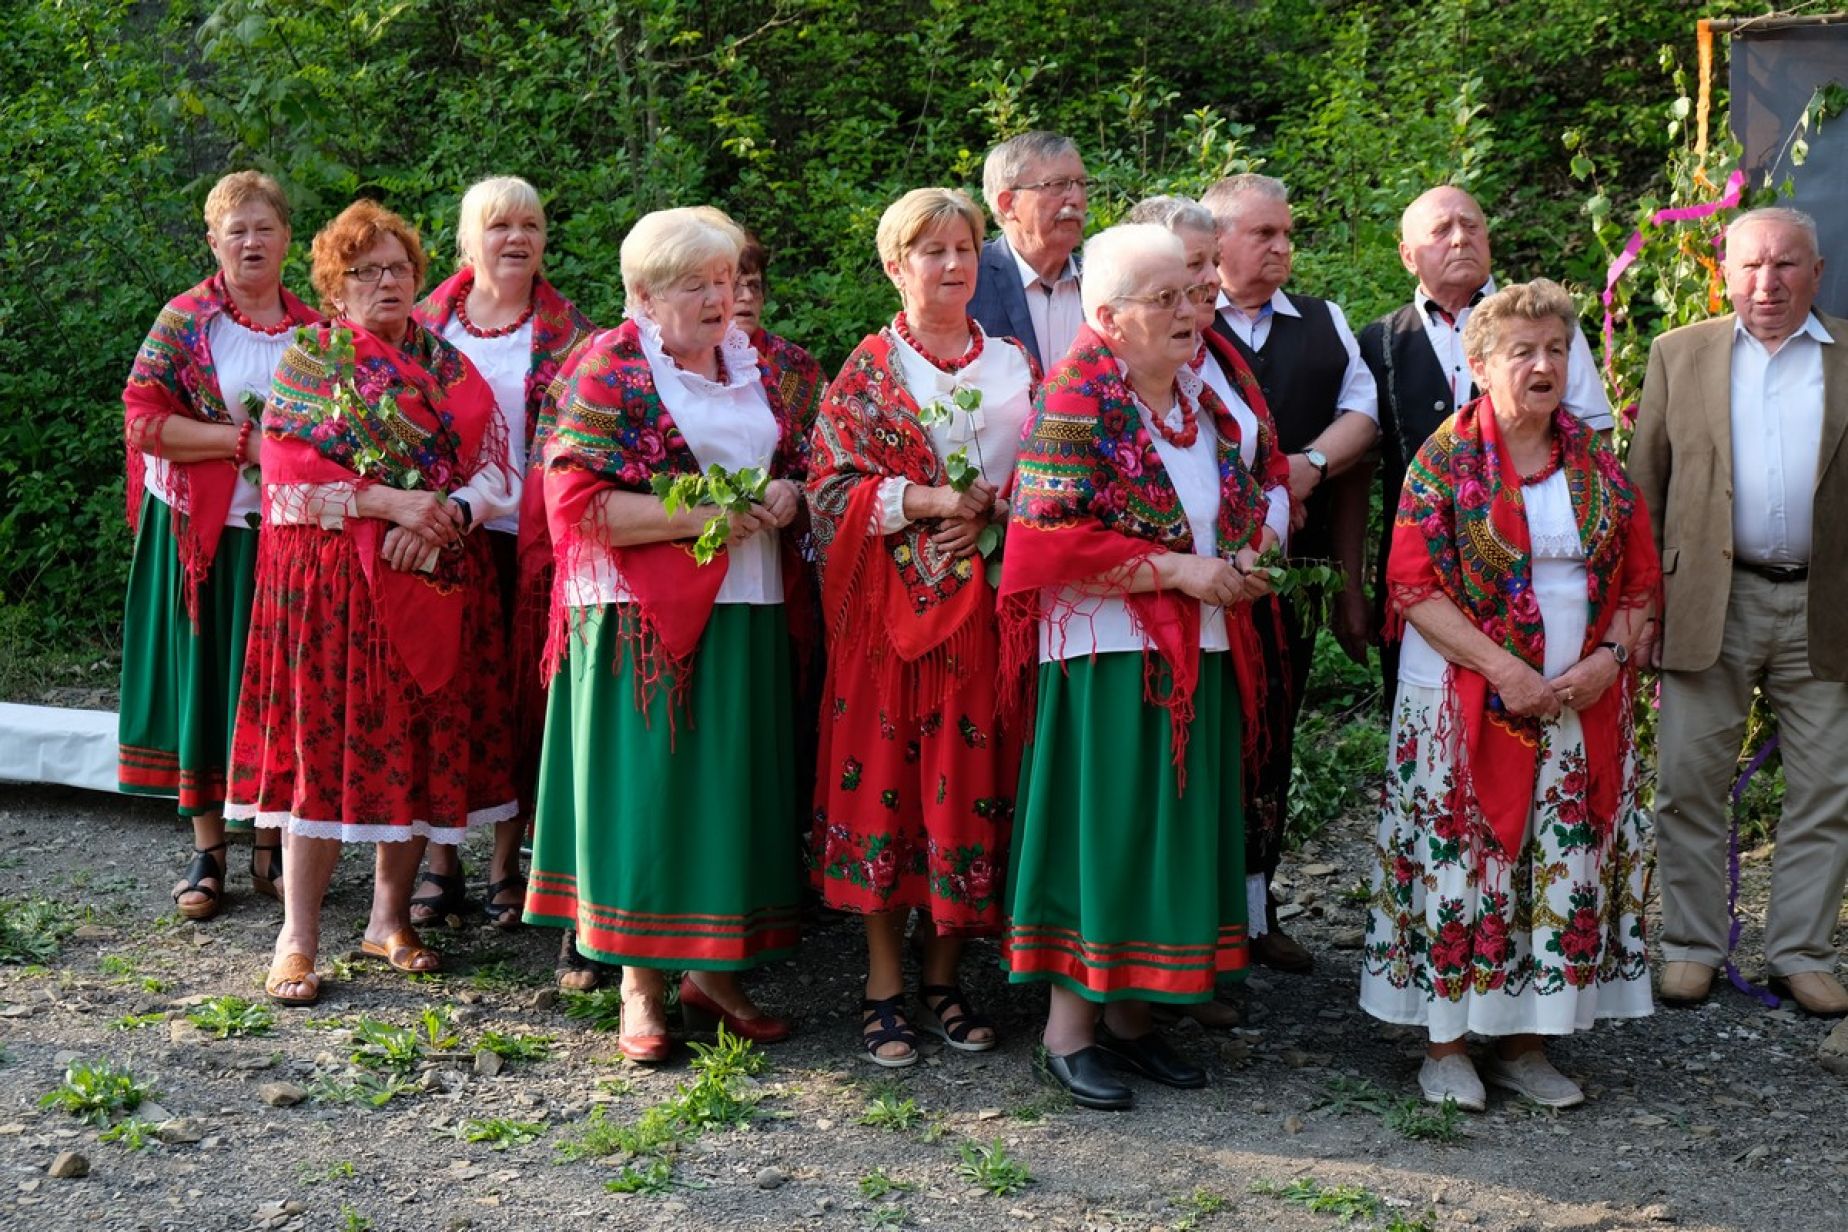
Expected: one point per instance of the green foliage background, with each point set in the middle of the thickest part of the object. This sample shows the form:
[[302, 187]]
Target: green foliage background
[[803, 117]]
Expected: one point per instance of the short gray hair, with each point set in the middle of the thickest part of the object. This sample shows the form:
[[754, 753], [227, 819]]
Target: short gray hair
[[1175, 213], [1110, 258], [1539, 300], [1007, 162], [1222, 198], [667, 245], [1780, 215]]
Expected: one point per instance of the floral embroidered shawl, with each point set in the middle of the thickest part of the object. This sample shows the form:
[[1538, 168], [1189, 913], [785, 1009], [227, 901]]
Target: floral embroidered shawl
[[890, 599], [613, 433], [1091, 495], [442, 432], [173, 374], [1461, 534]]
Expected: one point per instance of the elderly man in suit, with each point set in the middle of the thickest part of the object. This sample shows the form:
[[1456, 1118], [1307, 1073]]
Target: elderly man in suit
[[1028, 285], [1738, 453], [1416, 355]]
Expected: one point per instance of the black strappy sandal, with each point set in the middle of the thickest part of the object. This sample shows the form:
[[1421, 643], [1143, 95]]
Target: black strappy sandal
[[204, 867], [952, 1019], [268, 886], [449, 902], [497, 913], [576, 973], [891, 1030]]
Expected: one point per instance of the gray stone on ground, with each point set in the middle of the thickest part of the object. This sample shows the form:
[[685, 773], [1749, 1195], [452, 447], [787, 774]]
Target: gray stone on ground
[[1834, 1051], [69, 1165]]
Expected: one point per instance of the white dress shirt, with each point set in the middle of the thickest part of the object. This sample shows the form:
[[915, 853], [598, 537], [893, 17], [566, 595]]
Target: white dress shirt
[[1776, 440], [1584, 394], [1056, 310], [1358, 393], [503, 362]]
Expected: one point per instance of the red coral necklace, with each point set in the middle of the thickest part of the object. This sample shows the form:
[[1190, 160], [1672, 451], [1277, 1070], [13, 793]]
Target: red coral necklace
[[943, 365], [1189, 431]]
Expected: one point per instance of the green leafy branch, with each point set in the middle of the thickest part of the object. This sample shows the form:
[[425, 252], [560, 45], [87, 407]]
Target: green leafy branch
[[1309, 585], [960, 471], [731, 492]]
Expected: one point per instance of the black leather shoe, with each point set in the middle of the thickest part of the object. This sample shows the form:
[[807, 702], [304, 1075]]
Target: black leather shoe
[[1150, 1056], [1089, 1078]]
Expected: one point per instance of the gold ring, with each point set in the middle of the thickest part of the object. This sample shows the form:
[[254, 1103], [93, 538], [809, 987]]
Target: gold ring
[[1568, 693]]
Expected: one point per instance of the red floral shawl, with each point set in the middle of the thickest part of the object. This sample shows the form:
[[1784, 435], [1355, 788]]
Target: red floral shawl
[[443, 433], [892, 599], [174, 375], [1461, 534], [1091, 496], [613, 434]]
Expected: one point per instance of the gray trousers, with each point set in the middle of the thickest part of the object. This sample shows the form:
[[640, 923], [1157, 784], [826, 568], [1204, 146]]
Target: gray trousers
[[1765, 644]]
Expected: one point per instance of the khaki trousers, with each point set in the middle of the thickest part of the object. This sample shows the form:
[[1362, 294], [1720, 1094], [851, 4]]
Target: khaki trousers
[[1765, 644]]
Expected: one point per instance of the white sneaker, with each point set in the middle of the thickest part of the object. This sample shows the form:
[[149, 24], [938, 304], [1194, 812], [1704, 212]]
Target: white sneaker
[[1452, 1077], [1532, 1075]]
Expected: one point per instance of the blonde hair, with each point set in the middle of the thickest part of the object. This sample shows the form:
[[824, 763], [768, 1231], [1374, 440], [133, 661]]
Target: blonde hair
[[667, 245], [242, 188], [350, 236], [1539, 300], [488, 200], [920, 210]]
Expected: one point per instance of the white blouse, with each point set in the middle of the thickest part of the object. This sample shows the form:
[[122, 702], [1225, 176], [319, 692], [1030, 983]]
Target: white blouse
[[245, 361], [1277, 514], [504, 363], [1559, 587], [1086, 624], [728, 423], [990, 434]]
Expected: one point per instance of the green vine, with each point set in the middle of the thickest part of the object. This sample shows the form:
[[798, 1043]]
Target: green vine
[[732, 492]]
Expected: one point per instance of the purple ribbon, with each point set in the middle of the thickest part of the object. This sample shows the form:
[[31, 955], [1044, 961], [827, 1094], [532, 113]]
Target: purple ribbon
[[1763, 995]]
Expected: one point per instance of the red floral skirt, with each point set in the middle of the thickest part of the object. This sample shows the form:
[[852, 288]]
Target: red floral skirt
[[334, 739], [914, 802]]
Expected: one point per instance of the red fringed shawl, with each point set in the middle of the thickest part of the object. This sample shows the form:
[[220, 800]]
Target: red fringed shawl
[[174, 375], [1461, 534], [442, 432], [1092, 497], [893, 601], [613, 434]]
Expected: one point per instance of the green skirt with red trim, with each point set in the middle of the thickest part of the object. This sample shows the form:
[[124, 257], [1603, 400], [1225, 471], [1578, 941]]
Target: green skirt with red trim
[[180, 685], [670, 845], [1118, 888]]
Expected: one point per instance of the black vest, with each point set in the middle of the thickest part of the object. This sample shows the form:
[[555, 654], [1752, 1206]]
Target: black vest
[[1300, 369]]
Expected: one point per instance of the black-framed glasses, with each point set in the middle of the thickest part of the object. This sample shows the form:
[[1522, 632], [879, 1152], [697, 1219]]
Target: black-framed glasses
[[1061, 186], [1169, 298], [401, 270]]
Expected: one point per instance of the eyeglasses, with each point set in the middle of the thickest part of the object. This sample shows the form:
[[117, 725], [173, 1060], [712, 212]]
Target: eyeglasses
[[401, 270], [1169, 298], [1060, 187], [752, 283]]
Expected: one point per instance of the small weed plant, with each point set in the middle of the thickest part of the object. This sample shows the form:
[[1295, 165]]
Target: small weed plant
[[97, 1093], [134, 1022], [987, 1165], [500, 1133], [224, 1017], [889, 1110], [1196, 1206], [516, 1047], [33, 930], [131, 1133], [600, 1009], [653, 1178], [879, 1184]]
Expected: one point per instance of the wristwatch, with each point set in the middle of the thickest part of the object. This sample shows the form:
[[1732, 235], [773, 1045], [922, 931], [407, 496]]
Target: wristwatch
[[1319, 460], [1619, 652]]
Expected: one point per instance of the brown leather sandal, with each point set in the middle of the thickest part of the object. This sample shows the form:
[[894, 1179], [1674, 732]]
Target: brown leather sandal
[[292, 969], [403, 951]]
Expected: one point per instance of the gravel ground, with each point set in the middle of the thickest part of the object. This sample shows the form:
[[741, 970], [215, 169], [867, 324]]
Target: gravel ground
[[1717, 1118]]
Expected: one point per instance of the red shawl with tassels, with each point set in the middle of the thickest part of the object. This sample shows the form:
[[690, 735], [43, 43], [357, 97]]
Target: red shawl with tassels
[[613, 433], [893, 601], [1461, 534], [1091, 497], [174, 375], [441, 433]]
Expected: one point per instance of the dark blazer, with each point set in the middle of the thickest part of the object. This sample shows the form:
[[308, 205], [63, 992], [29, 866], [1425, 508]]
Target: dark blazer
[[1000, 302], [1681, 461]]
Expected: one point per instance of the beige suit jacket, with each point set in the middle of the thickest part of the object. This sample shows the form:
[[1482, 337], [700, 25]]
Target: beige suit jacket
[[1681, 461]]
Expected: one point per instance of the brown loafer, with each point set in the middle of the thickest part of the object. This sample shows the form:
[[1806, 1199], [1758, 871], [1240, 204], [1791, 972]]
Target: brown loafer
[[1817, 993], [1276, 950], [1685, 983]]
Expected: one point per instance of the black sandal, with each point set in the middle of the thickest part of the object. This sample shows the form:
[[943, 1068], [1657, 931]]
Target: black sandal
[[204, 867], [892, 1030], [571, 963], [270, 886], [450, 901], [952, 1019], [497, 913]]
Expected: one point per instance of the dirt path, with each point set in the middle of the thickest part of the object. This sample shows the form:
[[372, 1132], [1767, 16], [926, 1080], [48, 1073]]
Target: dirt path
[[1712, 1119]]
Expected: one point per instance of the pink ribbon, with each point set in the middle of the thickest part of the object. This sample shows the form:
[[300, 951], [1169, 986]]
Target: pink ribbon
[[1633, 248]]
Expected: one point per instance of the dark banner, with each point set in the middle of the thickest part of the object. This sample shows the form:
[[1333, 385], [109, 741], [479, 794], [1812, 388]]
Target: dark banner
[[1775, 72]]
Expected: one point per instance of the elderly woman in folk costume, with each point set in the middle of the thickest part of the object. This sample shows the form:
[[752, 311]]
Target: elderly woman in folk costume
[[375, 705], [914, 794], [661, 832], [193, 510], [1225, 371], [1128, 579], [500, 311], [1508, 893]]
